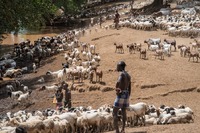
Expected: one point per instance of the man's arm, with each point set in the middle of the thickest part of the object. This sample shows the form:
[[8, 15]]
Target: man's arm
[[119, 80], [117, 87]]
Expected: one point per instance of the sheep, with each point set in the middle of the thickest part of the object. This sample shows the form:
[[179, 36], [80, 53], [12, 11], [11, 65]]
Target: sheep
[[8, 129], [70, 117], [91, 118], [19, 113], [163, 117], [140, 109], [151, 121], [61, 126], [174, 120], [107, 121], [119, 48], [181, 118], [81, 124], [159, 53], [184, 109], [185, 117], [143, 54], [34, 126]]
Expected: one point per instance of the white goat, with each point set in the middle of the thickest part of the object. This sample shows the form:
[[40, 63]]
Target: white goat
[[15, 94], [24, 97], [34, 68], [50, 88]]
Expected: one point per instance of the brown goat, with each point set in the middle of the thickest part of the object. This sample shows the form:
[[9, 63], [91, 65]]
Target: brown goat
[[99, 75], [159, 53], [75, 74], [131, 48], [138, 46], [193, 54], [184, 50], [119, 48], [143, 53], [91, 76], [172, 42]]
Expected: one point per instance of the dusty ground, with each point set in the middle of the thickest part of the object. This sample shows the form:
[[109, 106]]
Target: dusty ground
[[172, 81]]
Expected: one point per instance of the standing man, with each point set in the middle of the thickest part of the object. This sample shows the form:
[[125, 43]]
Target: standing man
[[116, 20], [100, 20], [131, 3], [67, 96], [59, 98], [123, 91], [92, 22]]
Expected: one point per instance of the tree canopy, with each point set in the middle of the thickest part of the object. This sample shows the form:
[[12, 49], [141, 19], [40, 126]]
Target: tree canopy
[[32, 14], [19, 14], [70, 6]]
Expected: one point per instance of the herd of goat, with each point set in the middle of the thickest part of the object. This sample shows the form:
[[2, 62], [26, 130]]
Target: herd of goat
[[161, 49], [86, 119], [82, 61]]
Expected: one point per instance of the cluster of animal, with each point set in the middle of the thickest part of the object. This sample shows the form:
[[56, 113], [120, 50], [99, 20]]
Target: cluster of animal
[[181, 22], [80, 63], [87, 119], [161, 49], [18, 92]]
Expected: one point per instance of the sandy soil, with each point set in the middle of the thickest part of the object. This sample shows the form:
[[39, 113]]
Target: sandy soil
[[171, 81]]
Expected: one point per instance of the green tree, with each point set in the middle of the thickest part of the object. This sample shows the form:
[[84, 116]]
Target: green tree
[[70, 6], [32, 14], [19, 14]]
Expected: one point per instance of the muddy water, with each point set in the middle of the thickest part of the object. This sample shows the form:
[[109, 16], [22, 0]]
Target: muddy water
[[7, 44], [32, 35]]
